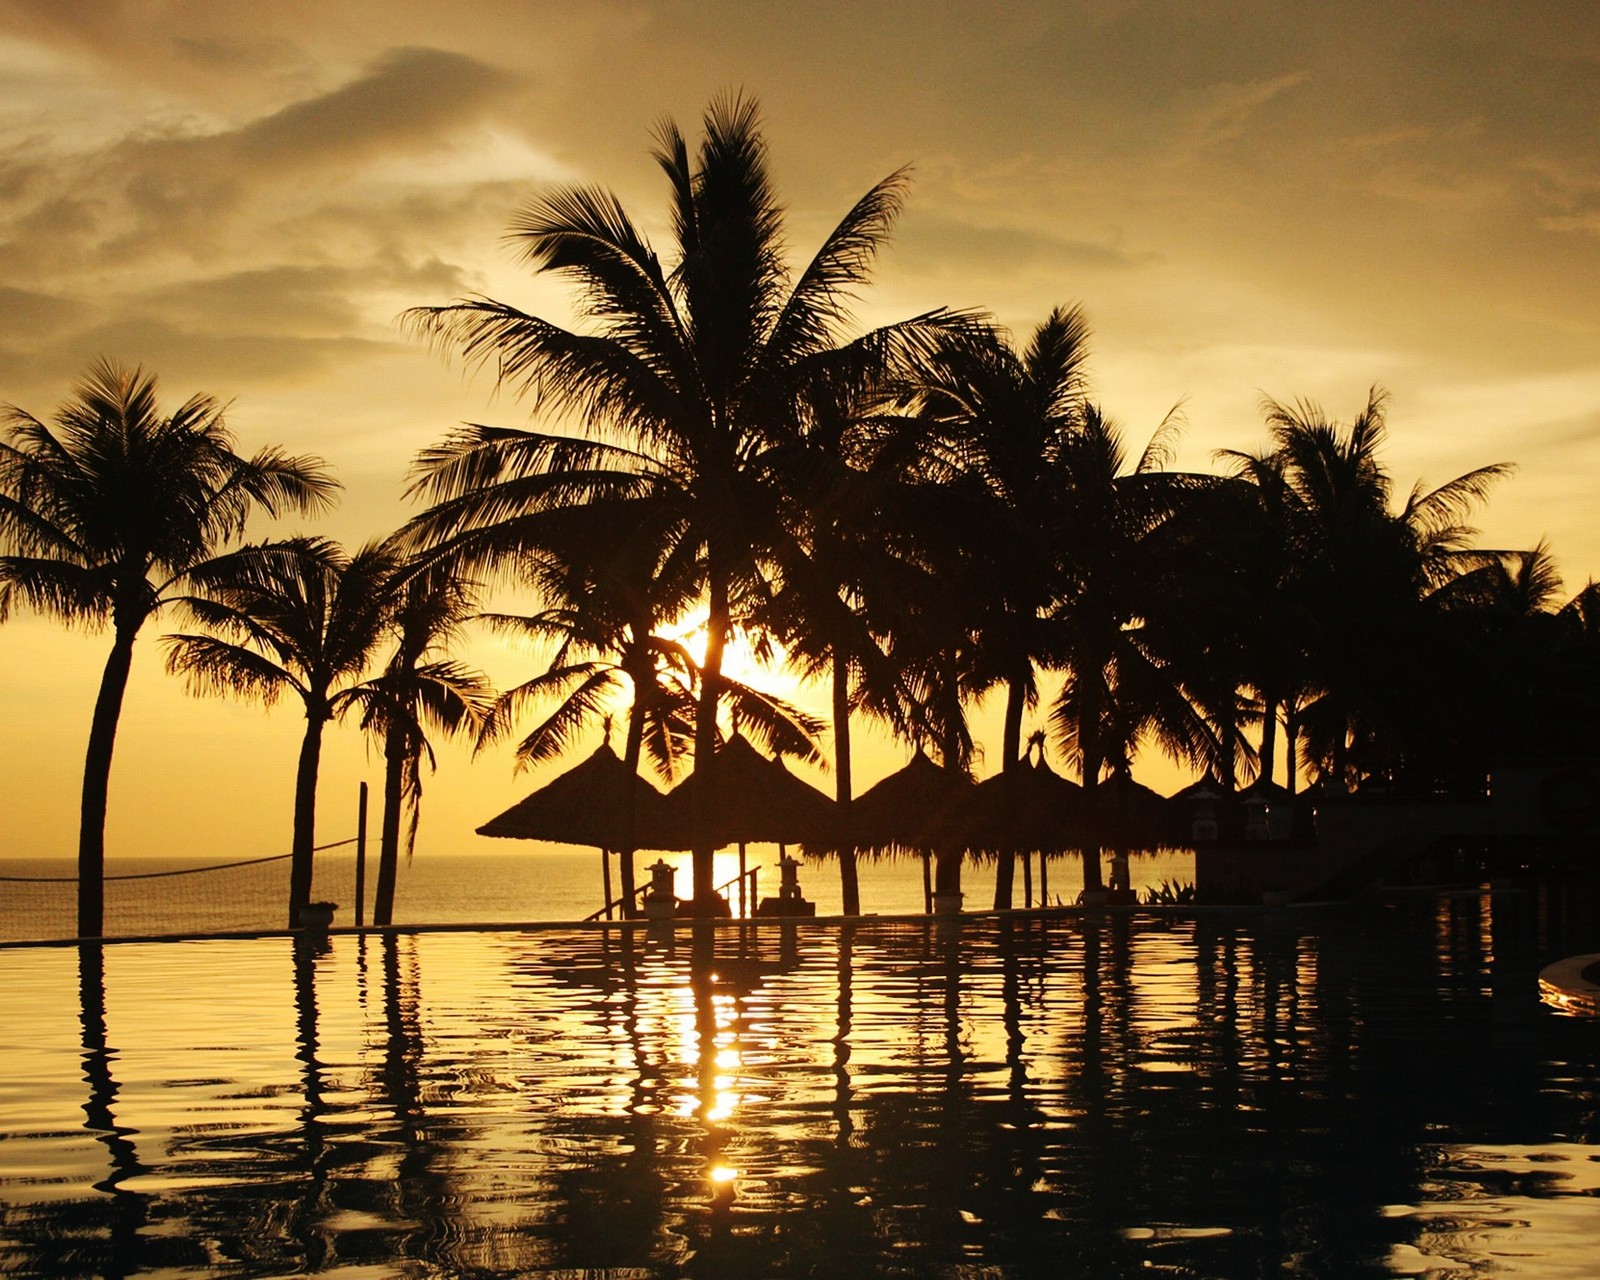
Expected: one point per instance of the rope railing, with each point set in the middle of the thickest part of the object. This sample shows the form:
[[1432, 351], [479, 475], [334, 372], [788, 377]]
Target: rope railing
[[182, 871]]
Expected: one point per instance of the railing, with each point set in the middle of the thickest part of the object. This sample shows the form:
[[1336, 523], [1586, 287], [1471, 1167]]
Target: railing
[[746, 901]]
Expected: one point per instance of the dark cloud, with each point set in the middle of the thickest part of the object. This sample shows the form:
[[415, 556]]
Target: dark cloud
[[403, 104], [24, 313]]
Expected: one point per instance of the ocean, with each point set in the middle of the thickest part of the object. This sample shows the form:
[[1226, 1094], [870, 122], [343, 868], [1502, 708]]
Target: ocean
[[526, 882]]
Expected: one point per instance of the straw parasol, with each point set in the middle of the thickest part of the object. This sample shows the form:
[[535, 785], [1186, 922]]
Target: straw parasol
[[749, 799], [908, 810], [1028, 809], [1129, 814], [599, 802]]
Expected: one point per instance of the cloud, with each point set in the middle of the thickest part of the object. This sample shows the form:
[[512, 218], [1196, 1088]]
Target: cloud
[[24, 312], [960, 244], [1224, 112], [406, 101], [174, 188]]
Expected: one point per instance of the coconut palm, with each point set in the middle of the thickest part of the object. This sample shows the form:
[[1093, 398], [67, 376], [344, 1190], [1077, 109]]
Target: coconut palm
[[841, 589], [608, 592], [106, 515], [703, 364], [299, 617], [1127, 549], [999, 427], [421, 687], [1365, 571]]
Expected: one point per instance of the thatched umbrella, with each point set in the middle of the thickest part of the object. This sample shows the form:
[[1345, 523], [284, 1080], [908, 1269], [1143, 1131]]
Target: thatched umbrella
[[599, 802], [1028, 809], [908, 810], [749, 798], [1128, 813]]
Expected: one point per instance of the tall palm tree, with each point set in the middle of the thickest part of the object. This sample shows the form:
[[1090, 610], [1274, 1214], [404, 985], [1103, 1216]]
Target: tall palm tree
[[703, 363], [421, 687], [839, 587], [297, 617], [1366, 568], [1126, 550], [999, 428], [106, 516]]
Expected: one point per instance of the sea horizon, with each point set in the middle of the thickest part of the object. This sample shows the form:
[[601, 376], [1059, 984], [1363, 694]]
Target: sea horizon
[[537, 882]]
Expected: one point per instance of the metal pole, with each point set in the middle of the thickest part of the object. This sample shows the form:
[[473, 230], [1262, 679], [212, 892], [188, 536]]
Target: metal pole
[[361, 859]]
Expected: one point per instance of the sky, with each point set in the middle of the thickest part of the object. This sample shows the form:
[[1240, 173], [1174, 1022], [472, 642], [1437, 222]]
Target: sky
[[1248, 200]]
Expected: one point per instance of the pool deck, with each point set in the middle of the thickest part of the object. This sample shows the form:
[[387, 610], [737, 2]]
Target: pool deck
[[1573, 984]]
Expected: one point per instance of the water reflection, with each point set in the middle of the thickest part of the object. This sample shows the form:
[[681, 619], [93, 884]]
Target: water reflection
[[1374, 1091], [126, 1210]]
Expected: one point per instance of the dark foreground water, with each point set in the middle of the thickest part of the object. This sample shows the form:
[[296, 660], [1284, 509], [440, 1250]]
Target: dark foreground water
[[1366, 1091]]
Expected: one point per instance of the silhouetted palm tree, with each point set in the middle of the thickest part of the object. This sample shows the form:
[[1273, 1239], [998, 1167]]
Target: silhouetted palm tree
[[299, 617], [1121, 612], [106, 515], [999, 430], [1365, 573], [841, 590], [420, 687], [705, 362], [607, 590]]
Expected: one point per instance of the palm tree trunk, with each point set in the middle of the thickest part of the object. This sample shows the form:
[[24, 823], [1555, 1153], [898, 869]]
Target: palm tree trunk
[[305, 816], [1291, 754], [705, 740], [631, 753], [849, 884], [1011, 757], [394, 755], [1269, 735], [1089, 746], [1091, 791], [97, 785]]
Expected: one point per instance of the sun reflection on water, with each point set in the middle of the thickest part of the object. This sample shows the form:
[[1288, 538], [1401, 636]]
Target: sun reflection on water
[[1133, 1093]]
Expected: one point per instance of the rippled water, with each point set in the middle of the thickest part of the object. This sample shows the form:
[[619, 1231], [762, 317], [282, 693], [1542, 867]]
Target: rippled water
[[1370, 1091]]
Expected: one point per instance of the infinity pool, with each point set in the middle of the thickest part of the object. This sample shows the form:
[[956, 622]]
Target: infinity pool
[[1367, 1091]]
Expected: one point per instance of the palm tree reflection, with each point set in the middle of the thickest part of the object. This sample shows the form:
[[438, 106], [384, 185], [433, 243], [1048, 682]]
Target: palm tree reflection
[[307, 1216], [128, 1208]]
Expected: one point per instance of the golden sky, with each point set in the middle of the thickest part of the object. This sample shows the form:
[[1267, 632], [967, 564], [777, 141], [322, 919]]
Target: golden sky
[[1248, 199]]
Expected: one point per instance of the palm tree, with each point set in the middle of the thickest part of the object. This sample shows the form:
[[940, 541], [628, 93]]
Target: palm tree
[[420, 687], [704, 363], [299, 617], [1365, 573], [840, 588], [1127, 549], [999, 428], [107, 516]]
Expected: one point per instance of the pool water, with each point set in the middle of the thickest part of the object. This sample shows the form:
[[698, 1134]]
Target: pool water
[[1364, 1091]]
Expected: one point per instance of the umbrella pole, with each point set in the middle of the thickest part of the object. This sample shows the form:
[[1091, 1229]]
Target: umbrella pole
[[927, 885], [605, 871], [743, 906], [1044, 878], [1027, 879]]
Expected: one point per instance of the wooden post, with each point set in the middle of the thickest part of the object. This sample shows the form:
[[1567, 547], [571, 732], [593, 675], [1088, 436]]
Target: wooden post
[[361, 858], [605, 868]]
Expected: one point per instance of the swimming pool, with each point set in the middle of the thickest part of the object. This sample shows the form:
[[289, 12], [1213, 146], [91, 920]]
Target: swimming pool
[[1370, 1090]]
